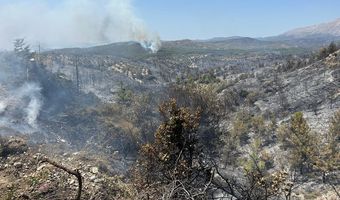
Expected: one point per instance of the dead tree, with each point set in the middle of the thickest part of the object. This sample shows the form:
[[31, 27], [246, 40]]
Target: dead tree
[[75, 172]]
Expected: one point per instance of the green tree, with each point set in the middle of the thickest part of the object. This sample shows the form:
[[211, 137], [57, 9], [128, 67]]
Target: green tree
[[323, 53], [257, 165], [124, 94], [334, 130], [256, 181], [301, 143], [240, 127], [203, 97], [175, 142], [329, 160], [331, 48], [272, 126], [258, 125], [258, 161], [174, 157]]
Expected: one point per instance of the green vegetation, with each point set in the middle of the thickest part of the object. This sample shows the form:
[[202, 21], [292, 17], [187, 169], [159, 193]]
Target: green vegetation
[[301, 142], [325, 51], [329, 158], [124, 94], [173, 158]]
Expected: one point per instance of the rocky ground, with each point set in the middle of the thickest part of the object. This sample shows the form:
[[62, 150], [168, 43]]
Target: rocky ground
[[24, 175]]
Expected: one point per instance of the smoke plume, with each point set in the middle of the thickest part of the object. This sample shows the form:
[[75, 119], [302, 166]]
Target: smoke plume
[[20, 101], [71, 23], [19, 108]]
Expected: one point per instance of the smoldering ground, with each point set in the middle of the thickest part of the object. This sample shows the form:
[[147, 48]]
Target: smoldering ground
[[20, 100]]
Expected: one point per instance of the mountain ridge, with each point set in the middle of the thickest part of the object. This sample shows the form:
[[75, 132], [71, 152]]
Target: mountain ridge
[[331, 28]]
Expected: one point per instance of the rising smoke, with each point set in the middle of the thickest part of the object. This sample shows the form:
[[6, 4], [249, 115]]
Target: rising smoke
[[20, 107], [20, 101], [70, 23]]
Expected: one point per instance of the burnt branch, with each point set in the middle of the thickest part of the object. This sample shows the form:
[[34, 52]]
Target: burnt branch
[[75, 172]]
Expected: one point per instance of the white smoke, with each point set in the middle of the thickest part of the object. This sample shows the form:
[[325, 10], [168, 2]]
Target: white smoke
[[32, 110], [3, 106], [153, 45], [70, 23], [20, 108]]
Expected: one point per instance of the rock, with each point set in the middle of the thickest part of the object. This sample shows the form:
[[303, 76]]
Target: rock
[[115, 153], [17, 165], [94, 170], [72, 181], [41, 167], [37, 155], [92, 178], [98, 180], [44, 188]]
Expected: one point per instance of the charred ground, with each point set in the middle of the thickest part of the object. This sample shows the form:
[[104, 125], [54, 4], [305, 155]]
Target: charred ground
[[100, 105]]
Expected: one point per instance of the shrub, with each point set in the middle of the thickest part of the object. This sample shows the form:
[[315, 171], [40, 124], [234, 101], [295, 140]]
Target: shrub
[[240, 127], [173, 158]]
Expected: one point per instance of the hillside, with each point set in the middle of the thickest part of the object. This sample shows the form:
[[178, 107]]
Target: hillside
[[100, 103], [169, 100], [236, 118]]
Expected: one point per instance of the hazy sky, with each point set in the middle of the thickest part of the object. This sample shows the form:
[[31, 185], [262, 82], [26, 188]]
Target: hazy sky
[[61, 23], [73, 23], [175, 19]]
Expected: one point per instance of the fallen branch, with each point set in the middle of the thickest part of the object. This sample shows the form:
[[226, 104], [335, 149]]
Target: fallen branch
[[75, 172], [335, 190]]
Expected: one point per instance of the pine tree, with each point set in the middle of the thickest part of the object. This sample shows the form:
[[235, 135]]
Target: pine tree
[[174, 156], [332, 48], [301, 143], [329, 159]]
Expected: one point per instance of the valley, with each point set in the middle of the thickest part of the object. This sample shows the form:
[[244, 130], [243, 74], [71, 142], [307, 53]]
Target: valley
[[236, 118]]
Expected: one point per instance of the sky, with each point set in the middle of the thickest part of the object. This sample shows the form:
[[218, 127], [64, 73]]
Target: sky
[[202, 19], [66, 23]]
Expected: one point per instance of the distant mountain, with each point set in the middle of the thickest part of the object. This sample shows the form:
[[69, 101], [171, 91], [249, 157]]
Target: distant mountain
[[325, 29], [225, 45], [310, 37], [221, 39], [300, 39]]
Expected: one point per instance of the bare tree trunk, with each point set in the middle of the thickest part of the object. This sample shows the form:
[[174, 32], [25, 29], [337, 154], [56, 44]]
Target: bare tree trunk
[[77, 74]]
